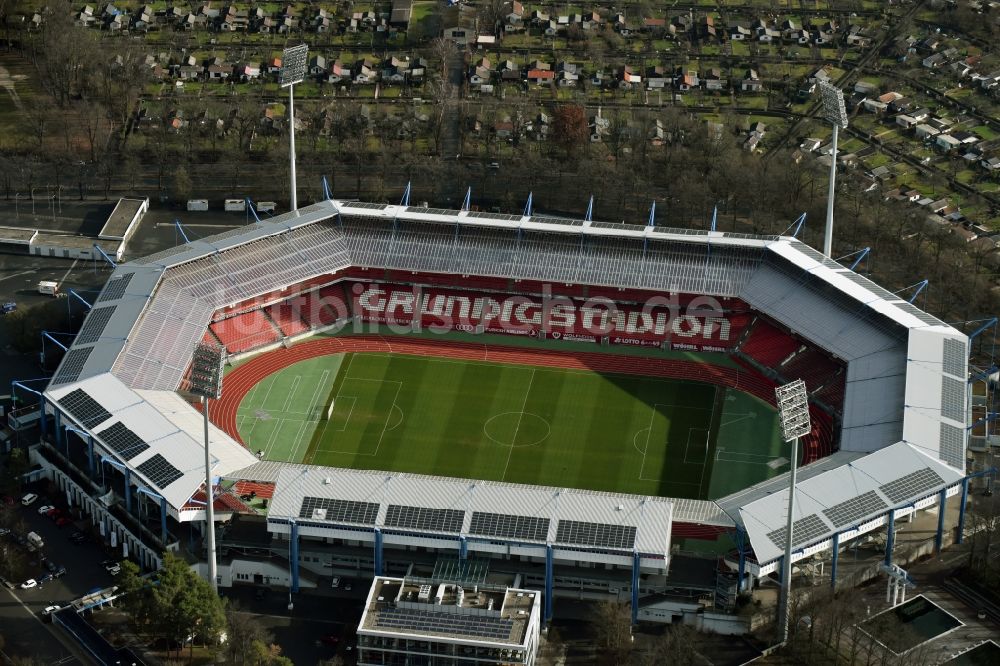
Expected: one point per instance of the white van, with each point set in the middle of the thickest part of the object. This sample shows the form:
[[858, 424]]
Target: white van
[[198, 204], [48, 288]]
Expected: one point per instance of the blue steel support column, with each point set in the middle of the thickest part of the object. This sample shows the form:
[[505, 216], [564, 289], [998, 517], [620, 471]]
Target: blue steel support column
[[833, 561], [128, 490], [635, 586], [59, 433], [378, 551], [942, 504], [742, 566], [90, 454], [294, 556], [463, 547], [890, 537], [961, 511], [549, 583], [41, 421], [163, 520]]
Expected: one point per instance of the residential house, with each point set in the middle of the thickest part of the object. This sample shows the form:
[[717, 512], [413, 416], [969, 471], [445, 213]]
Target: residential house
[[965, 137], [480, 72], [874, 106], [713, 79], [218, 72], [338, 73], [961, 68], [628, 78], [657, 77], [248, 72], [273, 66], [685, 80], [920, 115], [810, 145], [739, 33], [485, 41], [655, 26], [567, 74], [364, 71], [399, 16], [317, 65], [933, 61], [990, 163], [857, 36], [905, 121], [751, 82], [947, 142], [540, 76]]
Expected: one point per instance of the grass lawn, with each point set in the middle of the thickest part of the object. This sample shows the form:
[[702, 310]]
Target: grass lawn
[[985, 133], [515, 423]]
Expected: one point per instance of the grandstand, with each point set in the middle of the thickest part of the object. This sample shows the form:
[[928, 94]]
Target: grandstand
[[887, 380]]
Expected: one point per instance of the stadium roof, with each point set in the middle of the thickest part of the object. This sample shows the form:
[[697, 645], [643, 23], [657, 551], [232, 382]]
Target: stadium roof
[[529, 514], [906, 370], [842, 498]]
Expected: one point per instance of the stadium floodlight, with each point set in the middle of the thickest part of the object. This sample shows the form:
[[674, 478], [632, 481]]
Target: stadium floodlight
[[293, 70], [835, 112], [793, 415], [206, 381]]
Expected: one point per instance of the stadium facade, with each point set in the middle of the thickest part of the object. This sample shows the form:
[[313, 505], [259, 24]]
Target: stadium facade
[[123, 443]]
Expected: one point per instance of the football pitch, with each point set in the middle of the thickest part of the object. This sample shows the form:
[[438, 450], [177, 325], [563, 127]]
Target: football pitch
[[514, 423]]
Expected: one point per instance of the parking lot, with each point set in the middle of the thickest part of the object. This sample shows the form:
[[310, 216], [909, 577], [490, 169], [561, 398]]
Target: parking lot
[[24, 629]]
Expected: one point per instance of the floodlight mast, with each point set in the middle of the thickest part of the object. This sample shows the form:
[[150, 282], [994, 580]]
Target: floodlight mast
[[206, 381], [834, 111], [293, 70], [793, 414]]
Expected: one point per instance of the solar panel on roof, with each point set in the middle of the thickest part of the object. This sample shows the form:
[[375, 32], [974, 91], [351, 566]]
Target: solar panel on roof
[[528, 528], [159, 472], [953, 445], [952, 398], [619, 227], [494, 216], [362, 204], [72, 366], [920, 314], [566, 221], [849, 512], [954, 357], [421, 518], [870, 286], [912, 485], [439, 622], [804, 530], [115, 288], [339, 511], [595, 534], [123, 441], [430, 211], [94, 327], [84, 409]]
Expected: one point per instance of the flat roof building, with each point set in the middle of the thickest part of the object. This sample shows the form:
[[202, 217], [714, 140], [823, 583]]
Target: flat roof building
[[406, 618]]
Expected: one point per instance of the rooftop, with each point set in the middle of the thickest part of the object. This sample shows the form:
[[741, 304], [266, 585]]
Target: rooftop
[[445, 610], [122, 218]]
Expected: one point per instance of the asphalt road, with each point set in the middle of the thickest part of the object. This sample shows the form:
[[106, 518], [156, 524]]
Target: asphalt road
[[23, 629]]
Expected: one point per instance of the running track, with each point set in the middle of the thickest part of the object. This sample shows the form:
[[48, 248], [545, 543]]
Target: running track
[[238, 383]]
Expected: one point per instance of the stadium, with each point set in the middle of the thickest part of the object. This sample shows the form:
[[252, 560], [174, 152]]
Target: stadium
[[572, 402]]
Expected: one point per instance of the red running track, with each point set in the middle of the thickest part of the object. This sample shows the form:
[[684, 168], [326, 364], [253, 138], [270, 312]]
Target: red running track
[[240, 381]]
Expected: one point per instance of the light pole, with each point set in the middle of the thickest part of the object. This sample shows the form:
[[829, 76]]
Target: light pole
[[793, 413], [206, 381], [835, 112], [293, 70]]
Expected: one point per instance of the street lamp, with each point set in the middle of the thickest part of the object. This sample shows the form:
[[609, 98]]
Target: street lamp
[[834, 111], [793, 414], [206, 381], [293, 70]]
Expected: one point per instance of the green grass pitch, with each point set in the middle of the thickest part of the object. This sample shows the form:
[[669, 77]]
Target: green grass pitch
[[515, 423]]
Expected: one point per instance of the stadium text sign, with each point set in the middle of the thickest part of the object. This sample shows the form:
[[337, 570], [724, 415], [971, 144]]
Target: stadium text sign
[[652, 324]]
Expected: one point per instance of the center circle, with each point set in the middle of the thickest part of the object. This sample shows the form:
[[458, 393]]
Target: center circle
[[517, 429]]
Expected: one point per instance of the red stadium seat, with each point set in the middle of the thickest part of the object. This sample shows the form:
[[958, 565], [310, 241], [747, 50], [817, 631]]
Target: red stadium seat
[[245, 332]]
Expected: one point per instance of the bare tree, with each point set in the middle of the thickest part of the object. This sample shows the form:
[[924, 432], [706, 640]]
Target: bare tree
[[611, 626]]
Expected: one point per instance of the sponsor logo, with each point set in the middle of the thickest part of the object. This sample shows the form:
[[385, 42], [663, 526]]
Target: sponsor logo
[[560, 317]]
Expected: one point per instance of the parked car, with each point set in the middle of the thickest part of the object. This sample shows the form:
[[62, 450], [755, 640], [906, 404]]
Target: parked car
[[112, 567], [54, 514], [78, 537], [44, 509], [335, 582], [8, 500], [330, 640], [59, 572], [28, 584], [62, 521], [44, 578], [4, 531], [29, 499], [50, 609]]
